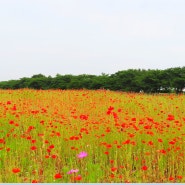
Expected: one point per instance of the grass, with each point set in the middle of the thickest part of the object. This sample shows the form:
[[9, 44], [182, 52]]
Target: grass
[[128, 137]]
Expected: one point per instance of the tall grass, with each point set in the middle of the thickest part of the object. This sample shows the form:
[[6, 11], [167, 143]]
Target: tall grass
[[127, 137]]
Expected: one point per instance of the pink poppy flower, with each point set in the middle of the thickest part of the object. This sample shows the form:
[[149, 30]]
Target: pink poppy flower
[[82, 154], [72, 171]]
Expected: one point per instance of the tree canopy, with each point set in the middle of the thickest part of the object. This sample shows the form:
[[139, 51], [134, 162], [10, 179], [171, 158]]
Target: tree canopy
[[131, 80]]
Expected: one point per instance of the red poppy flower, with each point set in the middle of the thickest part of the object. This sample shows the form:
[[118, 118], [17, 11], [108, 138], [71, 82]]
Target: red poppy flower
[[127, 141], [33, 148], [163, 151], [109, 146], [118, 146], [2, 141], [58, 176], [46, 141], [51, 146], [172, 142], [72, 138], [54, 156], [120, 176], [150, 143], [78, 178], [28, 138], [8, 102], [33, 141], [107, 130], [144, 168], [133, 119], [171, 178], [111, 161], [113, 169], [76, 138], [58, 134], [179, 177], [16, 170], [170, 117], [160, 140], [42, 122], [8, 149], [48, 150], [34, 181]]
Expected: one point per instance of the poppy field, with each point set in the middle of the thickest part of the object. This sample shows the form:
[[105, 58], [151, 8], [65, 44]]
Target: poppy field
[[91, 136]]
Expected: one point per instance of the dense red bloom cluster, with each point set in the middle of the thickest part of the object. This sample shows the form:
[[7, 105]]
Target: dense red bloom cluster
[[121, 131]]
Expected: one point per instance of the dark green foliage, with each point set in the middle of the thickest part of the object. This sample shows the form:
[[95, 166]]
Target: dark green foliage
[[132, 80]]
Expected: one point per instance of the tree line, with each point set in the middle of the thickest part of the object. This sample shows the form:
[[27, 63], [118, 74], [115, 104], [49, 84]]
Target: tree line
[[131, 80]]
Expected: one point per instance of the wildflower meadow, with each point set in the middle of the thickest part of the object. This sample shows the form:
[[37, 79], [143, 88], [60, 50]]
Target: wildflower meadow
[[91, 136]]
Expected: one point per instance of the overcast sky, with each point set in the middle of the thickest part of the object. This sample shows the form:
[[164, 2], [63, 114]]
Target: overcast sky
[[89, 36]]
